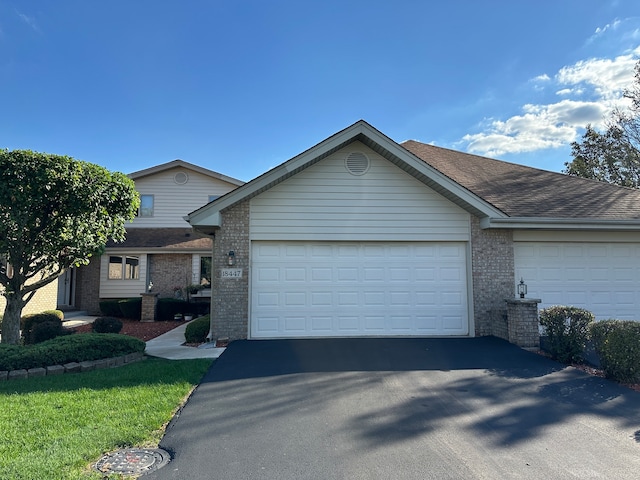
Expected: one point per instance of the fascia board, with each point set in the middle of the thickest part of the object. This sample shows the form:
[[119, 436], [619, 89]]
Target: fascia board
[[206, 217], [447, 187], [154, 250], [550, 223]]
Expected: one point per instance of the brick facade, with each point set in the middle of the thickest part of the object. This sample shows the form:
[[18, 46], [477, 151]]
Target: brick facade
[[523, 323], [167, 271], [88, 287], [230, 296], [493, 277]]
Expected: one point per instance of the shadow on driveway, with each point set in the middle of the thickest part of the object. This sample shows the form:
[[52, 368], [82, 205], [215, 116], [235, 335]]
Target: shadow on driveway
[[401, 408]]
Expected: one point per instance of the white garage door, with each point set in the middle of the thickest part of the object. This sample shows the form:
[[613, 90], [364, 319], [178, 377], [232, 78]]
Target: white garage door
[[301, 289], [601, 277]]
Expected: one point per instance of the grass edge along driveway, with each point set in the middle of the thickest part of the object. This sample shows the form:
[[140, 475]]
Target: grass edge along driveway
[[55, 427]]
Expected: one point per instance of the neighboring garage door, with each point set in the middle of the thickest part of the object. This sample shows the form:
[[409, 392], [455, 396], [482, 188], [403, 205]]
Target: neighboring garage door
[[323, 289], [601, 277]]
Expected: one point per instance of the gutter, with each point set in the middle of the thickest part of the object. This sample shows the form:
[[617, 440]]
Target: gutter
[[552, 223]]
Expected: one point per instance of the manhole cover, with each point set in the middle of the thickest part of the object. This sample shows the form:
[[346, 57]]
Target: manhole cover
[[133, 461]]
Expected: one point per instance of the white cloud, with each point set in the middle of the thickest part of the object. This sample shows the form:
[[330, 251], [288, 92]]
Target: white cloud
[[30, 21], [591, 89]]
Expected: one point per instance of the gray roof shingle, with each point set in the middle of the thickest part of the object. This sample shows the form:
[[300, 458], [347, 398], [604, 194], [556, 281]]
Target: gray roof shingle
[[164, 238], [521, 191]]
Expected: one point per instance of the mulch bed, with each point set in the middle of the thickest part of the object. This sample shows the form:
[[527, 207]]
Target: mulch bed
[[143, 330], [596, 372]]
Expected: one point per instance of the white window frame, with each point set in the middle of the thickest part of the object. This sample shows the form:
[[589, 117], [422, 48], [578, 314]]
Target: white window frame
[[146, 212], [127, 271]]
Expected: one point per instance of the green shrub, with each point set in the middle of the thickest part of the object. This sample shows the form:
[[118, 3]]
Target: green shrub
[[28, 323], [107, 325], [168, 307], [44, 331], [111, 308], [71, 348], [197, 330], [131, 308], [617, 343], [58, 313], [567, 329]]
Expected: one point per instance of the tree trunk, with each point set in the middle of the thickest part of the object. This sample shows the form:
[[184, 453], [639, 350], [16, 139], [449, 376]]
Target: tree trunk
[[11, 318]]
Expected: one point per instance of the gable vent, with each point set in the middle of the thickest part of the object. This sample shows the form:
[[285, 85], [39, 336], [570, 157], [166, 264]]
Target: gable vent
[[181, 178], [357, 163]]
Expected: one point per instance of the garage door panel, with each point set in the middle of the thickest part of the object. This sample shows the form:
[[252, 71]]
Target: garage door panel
[[601, 277], [364, 288], [321, 274]]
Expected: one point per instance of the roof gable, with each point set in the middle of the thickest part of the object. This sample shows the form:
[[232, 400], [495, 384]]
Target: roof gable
[[186, 165], [209, 215]]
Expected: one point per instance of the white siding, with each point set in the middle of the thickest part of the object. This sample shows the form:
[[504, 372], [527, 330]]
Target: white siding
[[326, 202], [122, 288], [172, 201]]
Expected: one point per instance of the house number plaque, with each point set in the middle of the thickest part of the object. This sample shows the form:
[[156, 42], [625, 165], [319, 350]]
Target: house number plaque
[[231, 273]]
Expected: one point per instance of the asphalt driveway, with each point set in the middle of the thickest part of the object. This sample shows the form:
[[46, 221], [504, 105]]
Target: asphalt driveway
[[401, 409]]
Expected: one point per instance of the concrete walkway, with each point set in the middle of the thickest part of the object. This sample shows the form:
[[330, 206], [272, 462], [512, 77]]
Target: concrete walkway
[[168, 345]]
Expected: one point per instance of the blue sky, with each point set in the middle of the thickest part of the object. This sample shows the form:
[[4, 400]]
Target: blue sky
[[241, 86]]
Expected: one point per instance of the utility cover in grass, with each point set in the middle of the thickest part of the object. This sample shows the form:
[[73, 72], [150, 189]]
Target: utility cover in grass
[[133, 461]]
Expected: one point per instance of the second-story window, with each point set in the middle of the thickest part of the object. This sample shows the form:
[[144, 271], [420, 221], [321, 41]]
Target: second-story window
[[146, 206]]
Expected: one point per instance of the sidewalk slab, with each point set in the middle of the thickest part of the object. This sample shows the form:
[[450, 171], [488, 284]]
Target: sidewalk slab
[[170, 346]]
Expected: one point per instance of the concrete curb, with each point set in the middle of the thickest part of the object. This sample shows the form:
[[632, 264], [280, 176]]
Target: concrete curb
[[72, 367]]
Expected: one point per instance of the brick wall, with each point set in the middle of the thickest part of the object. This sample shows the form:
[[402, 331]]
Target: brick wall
[[88, 287], [493, 277], [523, 323], [230, 297], [170, 270]]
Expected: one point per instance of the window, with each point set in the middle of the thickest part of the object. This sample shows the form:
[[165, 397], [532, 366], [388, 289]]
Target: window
[[125, 267], [205, 272], [146, 206]]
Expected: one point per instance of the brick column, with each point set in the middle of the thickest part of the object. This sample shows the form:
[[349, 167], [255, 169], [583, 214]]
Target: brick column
[[522, 322], [149, 301]]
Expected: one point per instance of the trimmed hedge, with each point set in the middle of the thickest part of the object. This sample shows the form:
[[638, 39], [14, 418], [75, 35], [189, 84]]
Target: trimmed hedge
[[72, 348], [168, 307], [44, 331], [107, 325], [567, 329], [29, 322], [111, 308], [122, 308], [131, 308], [197, 330], [617, 343]]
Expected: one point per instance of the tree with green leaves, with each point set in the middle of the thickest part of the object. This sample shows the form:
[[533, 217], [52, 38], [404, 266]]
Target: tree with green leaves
[[612, 156], [55, 212]]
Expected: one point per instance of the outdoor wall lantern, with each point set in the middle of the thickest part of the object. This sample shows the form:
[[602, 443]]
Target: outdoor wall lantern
[[231, 258], [522, 288]]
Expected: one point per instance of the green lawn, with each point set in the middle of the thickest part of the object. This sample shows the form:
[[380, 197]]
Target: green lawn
[[56, 427]]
